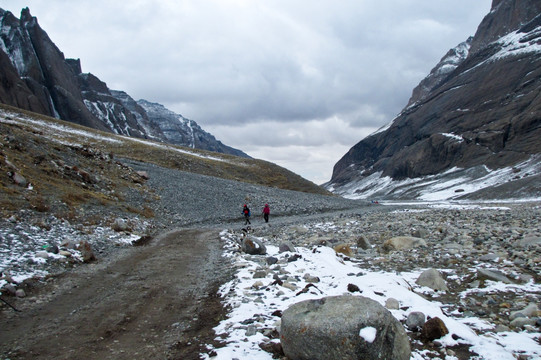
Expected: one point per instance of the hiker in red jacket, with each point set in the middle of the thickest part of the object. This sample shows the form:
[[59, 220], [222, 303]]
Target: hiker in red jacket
[[246, 212], [266, 212]]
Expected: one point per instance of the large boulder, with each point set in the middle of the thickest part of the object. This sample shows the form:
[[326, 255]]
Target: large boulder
[[342, 327]]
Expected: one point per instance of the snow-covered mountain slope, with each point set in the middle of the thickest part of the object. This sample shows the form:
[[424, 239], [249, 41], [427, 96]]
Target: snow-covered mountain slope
[[517, 182], [476, 117]]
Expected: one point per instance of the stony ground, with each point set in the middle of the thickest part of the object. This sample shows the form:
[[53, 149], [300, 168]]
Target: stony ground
[[505, 241], [488, 260], [159, 298]]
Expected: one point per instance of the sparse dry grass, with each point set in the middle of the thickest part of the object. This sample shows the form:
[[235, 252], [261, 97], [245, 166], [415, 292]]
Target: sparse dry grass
[[69, 165]]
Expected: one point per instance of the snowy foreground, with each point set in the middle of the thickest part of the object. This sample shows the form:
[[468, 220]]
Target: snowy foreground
[[254, 299]]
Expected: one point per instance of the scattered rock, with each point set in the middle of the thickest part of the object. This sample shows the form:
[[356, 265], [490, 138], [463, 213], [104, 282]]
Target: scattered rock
[[392, 304], [403, 243], [42, 254], [143, 174], [522, 322], [251, 331], [311, 279], [415, 320], [260, 274], [489, 257], [273, 348], [10, 289], [494, 275], [86, 252], [257, 285], [120, 225], [289, 285], [434, 329], [344, 249], [363, 243], [294, 258], [53, 249], [286, 246], [19, 180], [432, 279]]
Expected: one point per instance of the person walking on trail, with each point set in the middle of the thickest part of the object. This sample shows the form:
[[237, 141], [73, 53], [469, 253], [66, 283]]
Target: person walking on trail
[[266, 213], [246, 212]]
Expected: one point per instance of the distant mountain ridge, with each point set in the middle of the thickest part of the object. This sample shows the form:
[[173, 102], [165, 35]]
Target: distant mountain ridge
[[472, 128], [35, 76], [179, 130]]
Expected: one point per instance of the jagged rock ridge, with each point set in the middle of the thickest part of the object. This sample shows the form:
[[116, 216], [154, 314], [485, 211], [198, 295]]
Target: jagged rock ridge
[[35, 76], [179, 130], [481, 117]]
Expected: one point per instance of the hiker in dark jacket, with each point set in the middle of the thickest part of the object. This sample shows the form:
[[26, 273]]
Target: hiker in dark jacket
[[246, 212], [266, 213]]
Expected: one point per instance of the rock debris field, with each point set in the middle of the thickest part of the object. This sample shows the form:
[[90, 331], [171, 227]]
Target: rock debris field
[[476, 267]]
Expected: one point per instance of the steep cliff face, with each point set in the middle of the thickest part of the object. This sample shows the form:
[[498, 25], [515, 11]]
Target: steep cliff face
[[34, 75], [483, 113]]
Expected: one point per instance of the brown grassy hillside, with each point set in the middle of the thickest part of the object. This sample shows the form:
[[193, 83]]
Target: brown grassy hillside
[[61, 163]]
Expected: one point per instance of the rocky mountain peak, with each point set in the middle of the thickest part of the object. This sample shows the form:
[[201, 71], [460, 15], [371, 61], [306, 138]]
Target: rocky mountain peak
[[447, 64], [35, 75], [476, 119], [26, 17], [505, 16]]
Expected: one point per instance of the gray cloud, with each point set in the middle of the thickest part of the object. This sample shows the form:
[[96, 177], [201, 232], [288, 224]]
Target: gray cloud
[[265, 74]]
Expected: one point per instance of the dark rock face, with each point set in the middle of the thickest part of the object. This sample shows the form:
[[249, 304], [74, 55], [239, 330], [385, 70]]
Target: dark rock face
[[505, 16], [485, 112], [35, 76], [181, 131]]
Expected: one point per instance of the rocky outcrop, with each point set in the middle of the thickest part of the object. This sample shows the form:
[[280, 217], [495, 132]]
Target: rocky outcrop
[[35, 76], [484, 112], [181, 131], [440, 72], [505, 17]]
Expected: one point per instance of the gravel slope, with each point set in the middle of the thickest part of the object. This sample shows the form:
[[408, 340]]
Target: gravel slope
[[187, 199]]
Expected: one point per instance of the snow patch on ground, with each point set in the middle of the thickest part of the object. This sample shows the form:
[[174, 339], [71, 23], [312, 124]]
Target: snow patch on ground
[[251, 298]]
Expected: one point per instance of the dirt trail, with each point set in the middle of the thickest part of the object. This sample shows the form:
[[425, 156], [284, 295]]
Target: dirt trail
[[151, 302]]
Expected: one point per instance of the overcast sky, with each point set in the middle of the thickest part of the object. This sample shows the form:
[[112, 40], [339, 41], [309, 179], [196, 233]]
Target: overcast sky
[[295, 82]]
